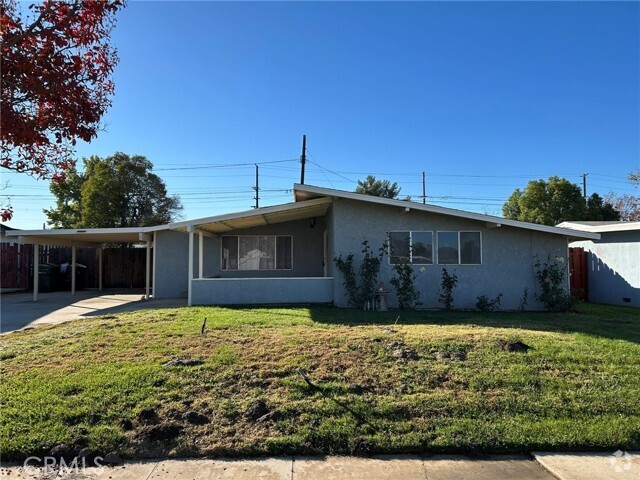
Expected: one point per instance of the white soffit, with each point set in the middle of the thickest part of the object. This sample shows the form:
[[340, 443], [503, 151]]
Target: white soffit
[[257, 217]]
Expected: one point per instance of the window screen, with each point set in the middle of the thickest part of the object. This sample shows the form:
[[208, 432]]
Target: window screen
[[399, 244], [448, 248], [470, 248], [229, 253], [284, 253], [257, 252], [421, 248]]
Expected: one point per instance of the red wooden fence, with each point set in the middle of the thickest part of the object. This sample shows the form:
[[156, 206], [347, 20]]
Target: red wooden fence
[[578, 276], [15, 265]]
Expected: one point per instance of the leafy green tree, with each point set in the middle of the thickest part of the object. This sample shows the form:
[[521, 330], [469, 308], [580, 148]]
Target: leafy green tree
[[378, 188], [117, 191], [554, 201], [598, 209]]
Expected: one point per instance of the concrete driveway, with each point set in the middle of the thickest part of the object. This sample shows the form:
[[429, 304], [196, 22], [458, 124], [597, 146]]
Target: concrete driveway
[[18, 310]]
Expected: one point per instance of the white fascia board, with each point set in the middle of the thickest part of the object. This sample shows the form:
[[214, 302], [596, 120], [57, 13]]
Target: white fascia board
[[77, 231], [64, 242], [445, 211], [612, 227]]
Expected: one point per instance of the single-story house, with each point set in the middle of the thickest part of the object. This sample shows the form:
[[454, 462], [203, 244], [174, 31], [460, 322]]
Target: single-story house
[[613, 261], [3, 234], [284, 253]]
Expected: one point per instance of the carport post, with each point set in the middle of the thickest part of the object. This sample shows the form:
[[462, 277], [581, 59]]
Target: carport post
[[73, 270], [36, 268], [148, 272], [153, 283], [200, 255], [100, 268], [190, 230]]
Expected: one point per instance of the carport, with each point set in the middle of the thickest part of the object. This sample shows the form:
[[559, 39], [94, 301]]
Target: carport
[[92, 238]]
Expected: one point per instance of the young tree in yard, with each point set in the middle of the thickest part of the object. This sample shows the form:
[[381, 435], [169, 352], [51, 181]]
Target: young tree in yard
[[55, 82], [118, 191], [378, 188], [554, 201]]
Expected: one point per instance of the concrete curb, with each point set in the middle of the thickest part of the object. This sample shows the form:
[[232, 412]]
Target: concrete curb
[[542, 466]]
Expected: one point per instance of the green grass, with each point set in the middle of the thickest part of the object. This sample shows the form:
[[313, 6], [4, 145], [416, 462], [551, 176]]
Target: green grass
[[86, 383]]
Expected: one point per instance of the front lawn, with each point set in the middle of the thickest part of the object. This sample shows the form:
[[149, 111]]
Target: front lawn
[[433, 381]]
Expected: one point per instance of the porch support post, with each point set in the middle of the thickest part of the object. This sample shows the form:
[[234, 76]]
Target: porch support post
[[73, 269], [200, 255], [147, 278], [153, 283], [190, 275], [36, 268], [100, 268]]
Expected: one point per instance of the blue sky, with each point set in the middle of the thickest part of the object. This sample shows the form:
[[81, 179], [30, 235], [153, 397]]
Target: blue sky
[[483, 96]]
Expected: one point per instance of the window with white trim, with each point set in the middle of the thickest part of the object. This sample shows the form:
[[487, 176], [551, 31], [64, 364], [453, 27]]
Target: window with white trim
[[256, 252], [459, 248], [413, 247]]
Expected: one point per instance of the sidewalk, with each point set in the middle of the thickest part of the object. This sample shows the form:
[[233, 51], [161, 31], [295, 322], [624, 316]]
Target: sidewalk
[[540, 466]]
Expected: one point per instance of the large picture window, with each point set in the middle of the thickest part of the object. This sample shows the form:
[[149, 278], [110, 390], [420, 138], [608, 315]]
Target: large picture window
[[257, 252], [459, 248], [413, 247]]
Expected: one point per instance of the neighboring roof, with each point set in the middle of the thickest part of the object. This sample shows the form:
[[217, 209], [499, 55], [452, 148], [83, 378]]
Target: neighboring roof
[[89, 237], [5, 228], [306, 192], [602, 227], [257, 217]]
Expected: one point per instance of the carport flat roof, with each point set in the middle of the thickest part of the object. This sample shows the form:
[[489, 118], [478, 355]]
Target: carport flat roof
[[88, 237], [257, 217]]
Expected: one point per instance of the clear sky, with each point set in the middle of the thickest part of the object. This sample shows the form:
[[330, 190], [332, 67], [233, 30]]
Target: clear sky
[[483, 96]]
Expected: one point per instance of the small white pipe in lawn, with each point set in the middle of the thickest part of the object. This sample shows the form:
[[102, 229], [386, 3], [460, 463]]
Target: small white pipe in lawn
[[36, 268]]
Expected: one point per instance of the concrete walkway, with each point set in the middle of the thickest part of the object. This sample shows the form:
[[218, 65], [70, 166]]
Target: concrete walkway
[[18, 310], [550, 466]]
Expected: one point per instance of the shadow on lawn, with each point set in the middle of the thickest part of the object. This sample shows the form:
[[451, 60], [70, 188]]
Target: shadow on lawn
[[621, 323]]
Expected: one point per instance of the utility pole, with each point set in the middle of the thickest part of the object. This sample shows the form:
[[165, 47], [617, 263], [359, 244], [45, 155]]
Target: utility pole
[[303, 158], [257, 197], [424, 188], [584, 186]]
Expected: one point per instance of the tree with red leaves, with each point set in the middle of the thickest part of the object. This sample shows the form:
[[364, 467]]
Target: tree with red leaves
[[55, 82]]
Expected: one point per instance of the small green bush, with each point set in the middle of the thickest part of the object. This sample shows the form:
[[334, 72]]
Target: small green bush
[[524, 299], [404, 283], [360, 288], [345, 265], [447, 284], [555, 297], [485, 305]]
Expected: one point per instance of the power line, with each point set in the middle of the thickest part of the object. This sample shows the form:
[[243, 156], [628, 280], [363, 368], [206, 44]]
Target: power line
[[223, 165]]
